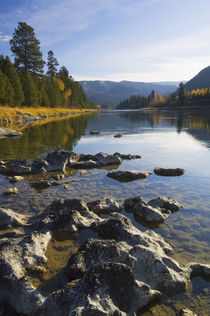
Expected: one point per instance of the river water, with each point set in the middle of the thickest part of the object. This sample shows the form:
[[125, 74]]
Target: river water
[[178, 138]]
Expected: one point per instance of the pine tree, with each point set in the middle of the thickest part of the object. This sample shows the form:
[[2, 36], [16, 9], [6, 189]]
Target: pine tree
[[6, 90], [52, 64], [182, 93], [26, 49], [8, 69], [29, 89]]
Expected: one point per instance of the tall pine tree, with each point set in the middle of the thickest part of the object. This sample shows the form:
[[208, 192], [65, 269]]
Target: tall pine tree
[[26, 49], [52, 64]]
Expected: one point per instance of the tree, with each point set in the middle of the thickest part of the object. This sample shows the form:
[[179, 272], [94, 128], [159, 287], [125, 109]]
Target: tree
[[182, 93], [26, 49], [30, 90], [8, 69], [6, 90], [52, 64]]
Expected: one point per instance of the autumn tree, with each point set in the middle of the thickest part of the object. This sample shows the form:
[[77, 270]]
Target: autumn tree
[[26, 49]]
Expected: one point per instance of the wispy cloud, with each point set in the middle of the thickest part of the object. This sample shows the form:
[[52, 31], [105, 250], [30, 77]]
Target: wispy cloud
[[4, 38]]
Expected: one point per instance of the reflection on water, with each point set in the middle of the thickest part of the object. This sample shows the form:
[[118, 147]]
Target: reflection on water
[[162, 138]]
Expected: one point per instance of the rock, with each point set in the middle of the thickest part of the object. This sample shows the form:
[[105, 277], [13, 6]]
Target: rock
[[143, 251], [128, 156], [94, 133], [84, 172], [105, 160], [166, 203], [19, 167], [186, 312], [118, 135], [15, 179], [9, 218], [59, 177], [6, 132], [128, 175], [141, 208], [42, 184], [65, 215], [57, 161], [170, 172], [199, 269], [66, 186], [17, 256], [11, 191], [104, 205]]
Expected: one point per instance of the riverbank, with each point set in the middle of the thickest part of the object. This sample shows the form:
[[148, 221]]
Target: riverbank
[[10, 115]]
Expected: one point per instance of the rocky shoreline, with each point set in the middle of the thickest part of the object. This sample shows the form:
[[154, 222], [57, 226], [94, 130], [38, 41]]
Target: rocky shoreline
[[121, 271]]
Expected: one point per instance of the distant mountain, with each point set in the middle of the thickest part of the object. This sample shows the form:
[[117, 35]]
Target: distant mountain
[[201, 80], [111, 93]]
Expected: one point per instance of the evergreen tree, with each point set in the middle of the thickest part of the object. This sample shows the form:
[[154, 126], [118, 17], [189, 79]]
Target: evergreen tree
[[182, 93], [26, 49], [6, 90], [52, 64], [8, 69], [30, 90]]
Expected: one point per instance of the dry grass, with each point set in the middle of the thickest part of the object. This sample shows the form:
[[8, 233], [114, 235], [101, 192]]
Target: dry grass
[[10, 114]]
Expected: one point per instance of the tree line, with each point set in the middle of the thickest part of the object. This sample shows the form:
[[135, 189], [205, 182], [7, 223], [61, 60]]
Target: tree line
[[179, 97], [24, 83]]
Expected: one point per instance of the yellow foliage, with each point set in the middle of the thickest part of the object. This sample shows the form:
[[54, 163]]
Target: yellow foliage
[[67, 94], [59, 83]]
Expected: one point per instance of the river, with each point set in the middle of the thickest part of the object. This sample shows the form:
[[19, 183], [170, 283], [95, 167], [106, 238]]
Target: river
[[178, 138]]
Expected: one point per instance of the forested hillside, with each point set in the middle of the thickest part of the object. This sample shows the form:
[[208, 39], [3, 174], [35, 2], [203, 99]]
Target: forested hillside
[[24, 83], [200, 81]]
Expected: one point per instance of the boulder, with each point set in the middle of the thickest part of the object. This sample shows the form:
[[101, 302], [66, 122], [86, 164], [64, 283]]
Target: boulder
[[143, 210], [9, 218], [186, 312], [128, 175], [169, 172], [15, 179], [118, 135], [104, 205], [164, 202], [65, 215], [11, 191], [94, 133], [6, 132]]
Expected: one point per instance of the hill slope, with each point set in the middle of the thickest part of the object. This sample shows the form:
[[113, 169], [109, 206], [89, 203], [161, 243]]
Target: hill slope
[[111, 92], [201, 80]]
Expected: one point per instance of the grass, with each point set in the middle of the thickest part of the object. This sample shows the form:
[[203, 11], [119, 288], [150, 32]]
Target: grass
[[10, 114]]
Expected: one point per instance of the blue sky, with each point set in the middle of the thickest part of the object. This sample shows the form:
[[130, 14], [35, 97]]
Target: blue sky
[[138, 40]]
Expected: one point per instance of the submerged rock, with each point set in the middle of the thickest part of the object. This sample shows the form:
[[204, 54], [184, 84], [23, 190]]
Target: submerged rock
[[15, 179], [170, 172], [94, 132], [128, 175], [104, 205], [164, 202]]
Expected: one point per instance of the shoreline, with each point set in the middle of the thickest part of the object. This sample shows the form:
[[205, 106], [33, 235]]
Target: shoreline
[[25, 115]]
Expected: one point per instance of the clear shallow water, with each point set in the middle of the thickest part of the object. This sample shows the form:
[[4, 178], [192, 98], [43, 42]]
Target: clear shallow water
[[162, 138]]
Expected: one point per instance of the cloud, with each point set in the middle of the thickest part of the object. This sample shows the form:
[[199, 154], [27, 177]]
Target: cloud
[[4, 38]]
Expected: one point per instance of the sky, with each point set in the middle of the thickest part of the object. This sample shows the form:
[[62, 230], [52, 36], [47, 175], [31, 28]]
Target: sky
[[136, 40]]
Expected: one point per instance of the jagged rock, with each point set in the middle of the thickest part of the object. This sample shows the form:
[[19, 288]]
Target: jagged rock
[[9, 218], [57, 161], [170, 172], [18, 255], [105, 160], [142, 251], [15, 179], [128, 175], [6, 132], [19, 167], [104, 205], [128, 156], [65, 215], [164, 202], [11, 191], [118, 135], [141, 208], [59, 177]]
